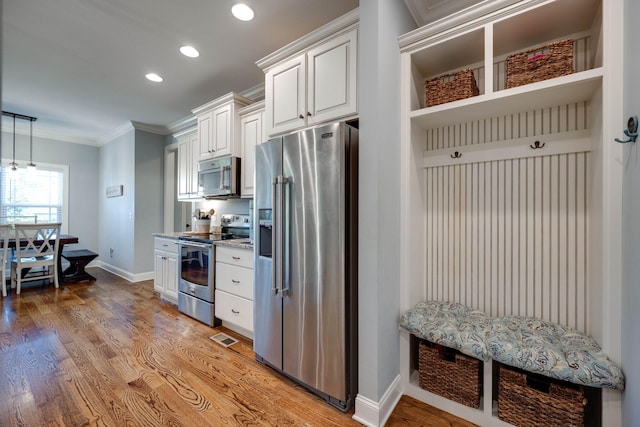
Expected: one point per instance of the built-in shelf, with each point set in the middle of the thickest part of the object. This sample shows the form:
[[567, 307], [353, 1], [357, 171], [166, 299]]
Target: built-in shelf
[[558, 91], [469, 173]]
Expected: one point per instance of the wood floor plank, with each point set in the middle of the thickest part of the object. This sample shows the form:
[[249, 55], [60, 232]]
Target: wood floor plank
[[111, 353]]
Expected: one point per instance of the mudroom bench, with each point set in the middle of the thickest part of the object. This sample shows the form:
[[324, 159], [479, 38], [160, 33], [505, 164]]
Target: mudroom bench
[[540, 372]]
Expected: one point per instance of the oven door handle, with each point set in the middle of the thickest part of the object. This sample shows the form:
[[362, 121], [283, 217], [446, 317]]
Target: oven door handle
[[193, 245]]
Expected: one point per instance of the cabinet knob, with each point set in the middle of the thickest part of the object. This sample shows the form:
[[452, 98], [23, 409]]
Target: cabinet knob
[[308, 114], [301, 116]]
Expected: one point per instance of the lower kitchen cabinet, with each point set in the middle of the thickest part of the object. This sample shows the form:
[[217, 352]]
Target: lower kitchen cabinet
[[234, 288], [166, 268]]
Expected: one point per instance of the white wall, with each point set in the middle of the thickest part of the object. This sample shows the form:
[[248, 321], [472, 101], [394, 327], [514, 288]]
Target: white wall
[[117, 161], [148, 206], [631, 237], [135, 160], [381, 21]]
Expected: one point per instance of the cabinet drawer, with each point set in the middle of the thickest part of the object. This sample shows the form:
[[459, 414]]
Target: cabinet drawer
[[233, 309], [235, 256], [234, 280], [167, 245]]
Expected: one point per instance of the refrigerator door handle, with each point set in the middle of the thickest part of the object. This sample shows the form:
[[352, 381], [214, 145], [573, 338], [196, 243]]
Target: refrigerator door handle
[[274, 240], [284, 233], [279, 234]]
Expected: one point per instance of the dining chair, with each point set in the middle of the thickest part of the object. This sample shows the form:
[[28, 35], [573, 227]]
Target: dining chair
[[36, 248], [5, 233]]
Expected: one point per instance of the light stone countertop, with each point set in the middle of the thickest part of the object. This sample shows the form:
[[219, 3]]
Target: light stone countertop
[[237, 243], [234, 243]]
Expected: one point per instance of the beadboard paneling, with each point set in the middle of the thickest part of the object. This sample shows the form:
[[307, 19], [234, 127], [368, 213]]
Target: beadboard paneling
[[509, 237]]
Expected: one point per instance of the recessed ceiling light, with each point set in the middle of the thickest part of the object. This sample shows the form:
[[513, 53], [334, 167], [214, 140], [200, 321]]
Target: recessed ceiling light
[[189, 51], [154, 77], [242, 12]]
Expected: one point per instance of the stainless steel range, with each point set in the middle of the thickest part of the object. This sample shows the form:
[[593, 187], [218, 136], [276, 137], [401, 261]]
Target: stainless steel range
[[196, 268]]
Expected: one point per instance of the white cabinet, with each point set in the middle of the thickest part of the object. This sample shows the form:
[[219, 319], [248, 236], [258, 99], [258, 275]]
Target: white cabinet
[[219, 126], [188, 154], [252, 133], [234, 288], [166, 268], [316, 84], [331, 79], [285, 95], [503, 190]]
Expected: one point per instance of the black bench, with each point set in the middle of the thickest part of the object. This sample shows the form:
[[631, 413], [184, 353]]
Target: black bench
[[79, 259]]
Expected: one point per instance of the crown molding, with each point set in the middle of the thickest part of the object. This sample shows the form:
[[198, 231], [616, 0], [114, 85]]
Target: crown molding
[[255, 93], [341, 23], [185, 131], [155, 129], [117, 132], [230, 97], [471, 16], [182, 126], [256, 106]]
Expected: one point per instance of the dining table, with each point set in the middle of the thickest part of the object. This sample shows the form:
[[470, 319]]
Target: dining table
[[65, 239]]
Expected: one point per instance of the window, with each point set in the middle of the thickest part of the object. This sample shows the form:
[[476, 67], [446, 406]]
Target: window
[[38, 195]]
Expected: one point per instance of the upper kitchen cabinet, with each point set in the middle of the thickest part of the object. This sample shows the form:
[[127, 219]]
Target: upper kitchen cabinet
[[188, 154], [252, 133], [313, 80], [219, 126]]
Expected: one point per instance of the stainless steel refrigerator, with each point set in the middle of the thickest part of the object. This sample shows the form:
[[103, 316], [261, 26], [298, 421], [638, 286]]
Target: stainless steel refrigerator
[[305, 303]]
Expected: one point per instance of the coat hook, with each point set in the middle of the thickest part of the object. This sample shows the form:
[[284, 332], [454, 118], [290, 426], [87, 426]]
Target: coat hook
[[631, 131], [456, 155], [537, 145]]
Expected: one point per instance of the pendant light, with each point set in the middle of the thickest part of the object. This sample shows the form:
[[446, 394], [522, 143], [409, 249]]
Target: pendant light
[[31, 166], [13, 164]]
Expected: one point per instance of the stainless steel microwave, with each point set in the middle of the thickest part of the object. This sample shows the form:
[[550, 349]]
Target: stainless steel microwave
[[219, 178]]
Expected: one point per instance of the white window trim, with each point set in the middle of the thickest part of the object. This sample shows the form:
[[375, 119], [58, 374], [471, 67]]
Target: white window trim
[[65, 190]]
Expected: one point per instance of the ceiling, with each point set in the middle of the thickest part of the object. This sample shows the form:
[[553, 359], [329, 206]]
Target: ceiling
[[79, 65]]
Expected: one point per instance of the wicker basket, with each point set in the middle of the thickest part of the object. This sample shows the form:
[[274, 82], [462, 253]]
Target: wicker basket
[[526, 399], [450, 87], [450, 374], [545, 62]]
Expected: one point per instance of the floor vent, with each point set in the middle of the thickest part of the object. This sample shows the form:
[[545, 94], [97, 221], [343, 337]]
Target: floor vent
[[224, 339]]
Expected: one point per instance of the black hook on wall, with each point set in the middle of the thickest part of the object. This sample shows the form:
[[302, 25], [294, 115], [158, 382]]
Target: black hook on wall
[[537, 145], [456, 155], [631, 131]]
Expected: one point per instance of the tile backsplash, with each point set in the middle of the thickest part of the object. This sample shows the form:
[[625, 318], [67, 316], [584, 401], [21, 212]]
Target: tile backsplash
[[232, 206]]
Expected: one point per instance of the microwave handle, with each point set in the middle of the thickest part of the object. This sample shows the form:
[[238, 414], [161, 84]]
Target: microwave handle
[[225, 177]]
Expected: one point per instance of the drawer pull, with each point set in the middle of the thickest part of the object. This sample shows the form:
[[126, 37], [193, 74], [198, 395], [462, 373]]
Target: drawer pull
[[235, 311], [237, 282], [237, 258]]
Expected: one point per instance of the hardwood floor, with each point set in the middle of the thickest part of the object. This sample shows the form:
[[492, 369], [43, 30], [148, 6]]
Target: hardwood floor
[[109, 353]]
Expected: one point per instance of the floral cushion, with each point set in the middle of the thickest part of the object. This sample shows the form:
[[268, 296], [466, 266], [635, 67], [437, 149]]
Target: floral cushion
[[451, 325], [552, 350]]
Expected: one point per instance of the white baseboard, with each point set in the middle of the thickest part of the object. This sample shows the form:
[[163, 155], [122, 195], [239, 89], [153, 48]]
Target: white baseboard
[[376, 414], [125, 274]]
